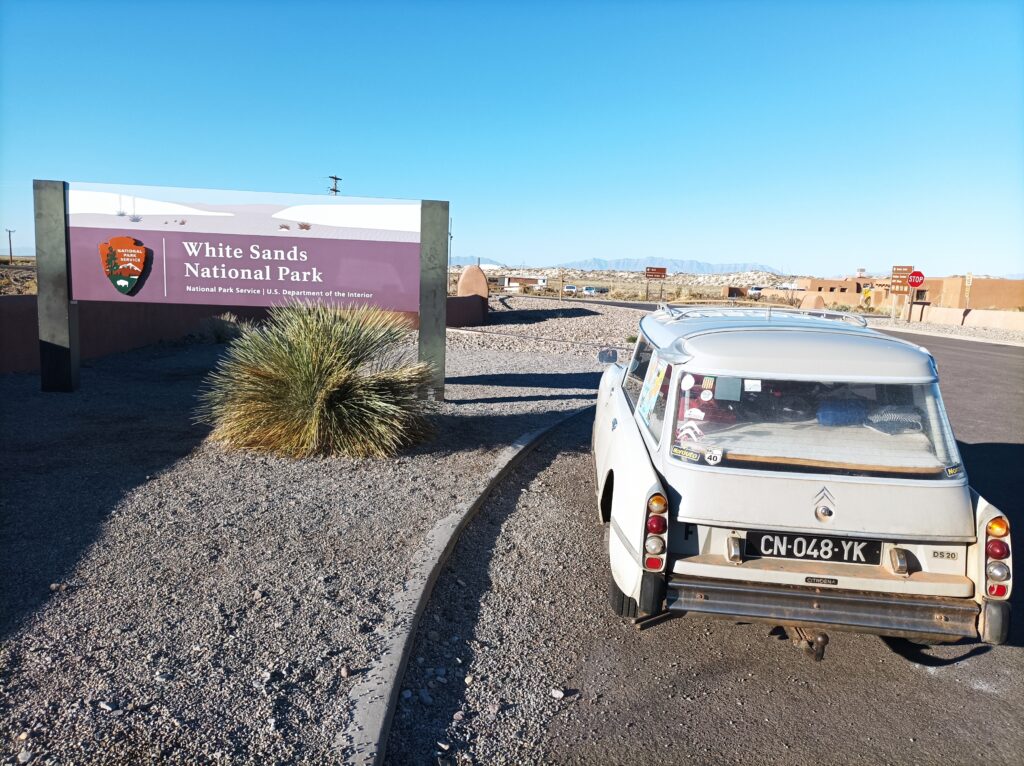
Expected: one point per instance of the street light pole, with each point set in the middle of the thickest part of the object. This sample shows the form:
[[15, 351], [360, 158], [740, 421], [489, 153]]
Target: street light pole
[[10, 248]]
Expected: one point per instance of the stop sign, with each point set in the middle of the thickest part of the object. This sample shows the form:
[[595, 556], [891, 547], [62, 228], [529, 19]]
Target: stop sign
[[915, 279]]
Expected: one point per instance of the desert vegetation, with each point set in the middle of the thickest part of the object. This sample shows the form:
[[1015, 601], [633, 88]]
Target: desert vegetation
[[319, 380], [19, 277]]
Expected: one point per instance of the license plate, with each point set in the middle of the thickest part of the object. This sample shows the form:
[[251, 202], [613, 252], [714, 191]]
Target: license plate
[[813, 548]]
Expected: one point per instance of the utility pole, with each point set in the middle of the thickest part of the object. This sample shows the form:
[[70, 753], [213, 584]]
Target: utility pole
[[334, 190], [448, 288], [10, 248]]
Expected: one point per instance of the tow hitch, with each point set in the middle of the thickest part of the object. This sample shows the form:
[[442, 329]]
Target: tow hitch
[[810, 642]]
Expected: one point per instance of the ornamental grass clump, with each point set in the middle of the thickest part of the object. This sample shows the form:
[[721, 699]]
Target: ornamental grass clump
[[319, 380]]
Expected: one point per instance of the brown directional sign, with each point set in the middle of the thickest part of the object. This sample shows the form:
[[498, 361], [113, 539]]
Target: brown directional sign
[[654, 272], [898, 283]]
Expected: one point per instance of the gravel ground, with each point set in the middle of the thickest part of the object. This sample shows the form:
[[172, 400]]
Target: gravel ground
[[586, 325], [591, 324], [504, 629], [167, 601], [953, 331]]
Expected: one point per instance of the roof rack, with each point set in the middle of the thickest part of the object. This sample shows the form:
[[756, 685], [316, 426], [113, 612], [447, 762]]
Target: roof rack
[[725, 310]]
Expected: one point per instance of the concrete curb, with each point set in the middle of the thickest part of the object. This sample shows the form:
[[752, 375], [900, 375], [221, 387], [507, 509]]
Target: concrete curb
[[375, 697]]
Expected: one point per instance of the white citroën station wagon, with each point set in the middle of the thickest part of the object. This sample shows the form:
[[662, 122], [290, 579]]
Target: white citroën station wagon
[[794, 468]]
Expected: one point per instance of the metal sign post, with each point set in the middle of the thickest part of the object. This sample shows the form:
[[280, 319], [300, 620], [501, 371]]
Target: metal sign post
[[898, 285], [433, 289], [655, 272], [968, 281], [58, 314]]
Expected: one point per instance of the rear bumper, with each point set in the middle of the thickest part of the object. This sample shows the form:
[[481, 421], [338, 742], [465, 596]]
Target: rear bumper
[[929, 617]]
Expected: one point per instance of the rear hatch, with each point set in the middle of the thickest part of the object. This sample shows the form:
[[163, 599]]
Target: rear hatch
[[829, 531]]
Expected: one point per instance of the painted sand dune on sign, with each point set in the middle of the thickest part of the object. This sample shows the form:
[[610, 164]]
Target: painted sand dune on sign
[[84, 202], [386, 217]]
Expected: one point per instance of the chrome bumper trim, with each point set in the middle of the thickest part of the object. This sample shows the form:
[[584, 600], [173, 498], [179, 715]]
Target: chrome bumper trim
[[877, 613]]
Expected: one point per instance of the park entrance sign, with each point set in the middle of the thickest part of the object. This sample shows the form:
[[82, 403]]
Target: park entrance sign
[[166, 245], [149, 244]]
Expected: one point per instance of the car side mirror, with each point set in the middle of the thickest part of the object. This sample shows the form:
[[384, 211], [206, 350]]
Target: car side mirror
[[607, 356]]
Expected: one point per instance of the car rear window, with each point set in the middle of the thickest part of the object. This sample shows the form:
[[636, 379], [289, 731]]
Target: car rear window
[[848, 428]]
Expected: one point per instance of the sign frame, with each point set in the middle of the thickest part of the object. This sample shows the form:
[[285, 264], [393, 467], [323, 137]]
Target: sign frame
[[898, 286], [58, 310]]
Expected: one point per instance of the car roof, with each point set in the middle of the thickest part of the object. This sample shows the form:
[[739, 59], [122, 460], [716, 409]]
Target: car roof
[[788, 344]]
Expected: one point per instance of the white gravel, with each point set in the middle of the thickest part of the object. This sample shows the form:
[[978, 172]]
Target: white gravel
[[575, 328], [167, 601], [990, 334]]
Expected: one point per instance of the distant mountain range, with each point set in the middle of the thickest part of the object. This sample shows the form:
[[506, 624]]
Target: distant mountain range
[[636, 264], [466, 260], [673, 266]]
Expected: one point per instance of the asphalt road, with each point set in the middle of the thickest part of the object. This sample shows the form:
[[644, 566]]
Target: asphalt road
[[752, 698], [705, 691]]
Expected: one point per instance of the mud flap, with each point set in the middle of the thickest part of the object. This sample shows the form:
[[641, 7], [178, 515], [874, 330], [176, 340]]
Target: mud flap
[[994, 622], [652, 594]]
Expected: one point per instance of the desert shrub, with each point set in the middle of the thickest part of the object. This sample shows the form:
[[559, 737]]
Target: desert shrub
[[319, 380], [630, 339]]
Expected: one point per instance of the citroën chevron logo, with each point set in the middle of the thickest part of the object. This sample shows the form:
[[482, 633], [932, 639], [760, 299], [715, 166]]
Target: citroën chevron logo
[[124, 262]]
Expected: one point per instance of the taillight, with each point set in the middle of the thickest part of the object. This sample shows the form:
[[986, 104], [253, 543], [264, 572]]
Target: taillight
[[655, 545], [996, 570], [998, 527], [657, 503], [997, 549], [657, 528], [656, 525]]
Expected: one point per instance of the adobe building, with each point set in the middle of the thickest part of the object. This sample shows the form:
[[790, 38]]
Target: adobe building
[[942, 292], [985, 293]]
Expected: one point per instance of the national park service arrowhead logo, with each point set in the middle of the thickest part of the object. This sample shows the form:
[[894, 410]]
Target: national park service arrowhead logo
[[124, 262]]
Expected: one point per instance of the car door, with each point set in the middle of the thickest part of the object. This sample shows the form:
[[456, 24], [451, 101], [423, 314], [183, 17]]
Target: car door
[[609, 414], [630, 464]]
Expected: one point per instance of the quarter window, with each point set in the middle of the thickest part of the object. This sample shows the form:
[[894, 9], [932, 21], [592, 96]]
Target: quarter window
[[654, 396], [637, 370]]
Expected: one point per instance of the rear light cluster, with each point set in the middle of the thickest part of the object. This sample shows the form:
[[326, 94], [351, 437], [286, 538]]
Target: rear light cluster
[[657, 533], [997, 551]]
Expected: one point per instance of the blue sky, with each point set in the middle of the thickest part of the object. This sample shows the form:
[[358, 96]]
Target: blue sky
[[812, 136]]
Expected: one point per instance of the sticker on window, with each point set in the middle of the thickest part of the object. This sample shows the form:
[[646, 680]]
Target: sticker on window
[[686, 453], [649, 392], [687, 382], [713, 455], [953, 470], [728, 389], [752, 386], [689, 431], [694, 414]]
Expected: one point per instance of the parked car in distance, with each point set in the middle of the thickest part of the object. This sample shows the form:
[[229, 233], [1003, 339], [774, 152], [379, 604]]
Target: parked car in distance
[[795, 468], [589, 290], [569, 289]]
